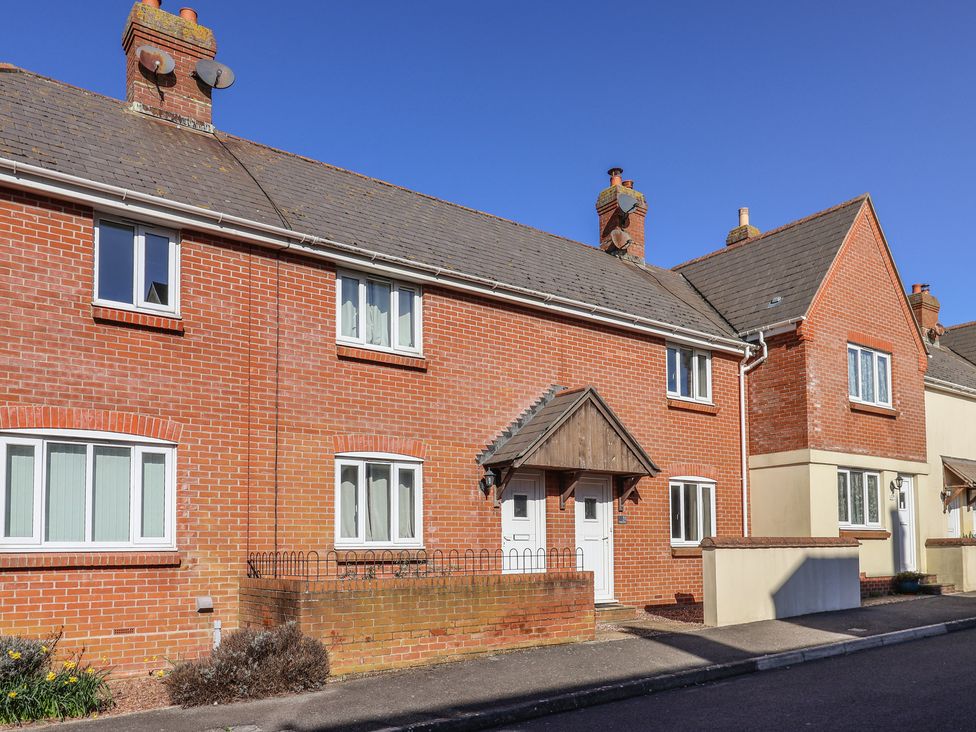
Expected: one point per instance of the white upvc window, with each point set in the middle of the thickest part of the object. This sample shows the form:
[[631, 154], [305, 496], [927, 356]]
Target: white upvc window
[[379, 501], [692, 510], [858, 499], [868, 375], [137, 267], [689, 373], [60, 492], [378, 313]]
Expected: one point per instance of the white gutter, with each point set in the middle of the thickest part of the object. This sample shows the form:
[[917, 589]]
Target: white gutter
[[772, 327], [144, 206], [743, 370], [948, 386]]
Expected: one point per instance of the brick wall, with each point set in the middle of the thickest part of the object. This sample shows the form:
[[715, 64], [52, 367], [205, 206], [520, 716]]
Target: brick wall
[[777, 393], [379, 624]]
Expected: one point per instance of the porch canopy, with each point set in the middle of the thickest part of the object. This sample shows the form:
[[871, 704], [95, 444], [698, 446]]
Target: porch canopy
[[959, 476], [571, 432]]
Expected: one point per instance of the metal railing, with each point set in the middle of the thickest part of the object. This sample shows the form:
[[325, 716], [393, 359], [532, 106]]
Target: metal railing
[[339, 564]]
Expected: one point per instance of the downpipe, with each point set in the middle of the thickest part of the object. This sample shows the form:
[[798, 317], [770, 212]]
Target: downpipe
[[745, 368]]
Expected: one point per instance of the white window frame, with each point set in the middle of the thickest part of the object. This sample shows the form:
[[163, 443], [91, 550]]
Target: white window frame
[[868, 524], [396, 463], [396, 287], [136, 542], [702, 484], [138, 303], [697, 354], [876, 355]]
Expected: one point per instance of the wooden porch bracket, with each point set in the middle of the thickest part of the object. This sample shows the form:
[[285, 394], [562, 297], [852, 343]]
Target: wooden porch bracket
[[569, 482], [502, 484], [957, 490], [627, 487]]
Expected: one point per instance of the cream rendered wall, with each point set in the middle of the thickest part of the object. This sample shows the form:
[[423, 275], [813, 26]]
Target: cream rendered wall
[[780, 497], [950, 430]]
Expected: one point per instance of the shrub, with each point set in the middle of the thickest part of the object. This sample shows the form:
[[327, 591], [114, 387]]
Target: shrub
[[251, 664], [34, 686]]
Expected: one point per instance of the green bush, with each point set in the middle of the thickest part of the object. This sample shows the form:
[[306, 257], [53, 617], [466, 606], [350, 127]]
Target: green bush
[[35, 686], [251, 664]]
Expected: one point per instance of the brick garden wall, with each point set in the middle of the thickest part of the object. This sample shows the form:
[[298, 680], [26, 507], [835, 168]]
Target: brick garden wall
[[370, 625]]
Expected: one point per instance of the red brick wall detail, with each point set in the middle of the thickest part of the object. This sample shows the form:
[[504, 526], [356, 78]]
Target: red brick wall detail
[[77, 418]]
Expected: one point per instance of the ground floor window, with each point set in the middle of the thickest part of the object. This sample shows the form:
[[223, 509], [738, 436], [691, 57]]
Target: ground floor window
[[63, 492], [858, 498], [378, 501], [692, 510]]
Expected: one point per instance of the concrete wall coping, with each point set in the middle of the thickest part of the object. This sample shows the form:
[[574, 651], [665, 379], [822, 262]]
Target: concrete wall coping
[[776, 542], [950, 542]]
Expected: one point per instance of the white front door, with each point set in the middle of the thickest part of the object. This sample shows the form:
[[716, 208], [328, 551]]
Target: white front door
[[905, 525], [953, 524], [524, 524], [594, 532]]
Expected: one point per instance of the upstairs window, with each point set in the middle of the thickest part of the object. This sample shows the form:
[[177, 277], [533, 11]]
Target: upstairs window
[[858, 499], [62, 493], [692, 511], [689, 374], [136, 267], [868, 375], [378, 313], [379, 501]]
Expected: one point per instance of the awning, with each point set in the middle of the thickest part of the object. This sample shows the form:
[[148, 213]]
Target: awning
[[959, 476], [572, 431]]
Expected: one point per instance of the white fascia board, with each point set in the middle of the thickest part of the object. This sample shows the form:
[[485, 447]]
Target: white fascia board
[[147, 208]]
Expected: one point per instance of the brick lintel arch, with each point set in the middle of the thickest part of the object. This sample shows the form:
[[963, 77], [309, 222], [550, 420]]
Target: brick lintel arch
[[97, 420], [380, 443], [700, 470]]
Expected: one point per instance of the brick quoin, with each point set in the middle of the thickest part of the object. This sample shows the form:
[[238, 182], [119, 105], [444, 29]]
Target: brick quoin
[[258, 398]]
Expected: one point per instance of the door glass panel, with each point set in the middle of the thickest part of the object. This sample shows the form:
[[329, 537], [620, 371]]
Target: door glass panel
[[110, 494], [349, 501], [66, 475], [520, 505], [153, 520], [873, 512], [156, 276], [350, 308], [405, 318], [116, 262], [377, 502], [406, 498], [842, 496], [18, 495], [378, 313], [857, 498], [589, 509], [676, 512], [692, 511]]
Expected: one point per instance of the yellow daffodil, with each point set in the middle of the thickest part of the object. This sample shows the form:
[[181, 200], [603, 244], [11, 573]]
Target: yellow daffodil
[[160, 673], [70, 664], [51, 676], [43, 649], [12, 694], [72, 679], [14, 654], [89, 670]]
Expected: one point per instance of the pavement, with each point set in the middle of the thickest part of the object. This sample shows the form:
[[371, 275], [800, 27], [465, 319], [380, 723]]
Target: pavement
[[910, 686], [509, 688]]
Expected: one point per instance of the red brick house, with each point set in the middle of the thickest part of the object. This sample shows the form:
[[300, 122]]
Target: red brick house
[[213, 348], [836, 408]]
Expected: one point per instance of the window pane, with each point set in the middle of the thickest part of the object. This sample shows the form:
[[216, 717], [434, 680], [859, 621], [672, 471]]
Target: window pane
[[350, 307], [406, 498], [702, 361], [883, 380], [692, 511], [842, 512], [857, 498], [405, 319], [110, 494], [676, 512], [153, 496], [377, 502], [853, 380], [684, 376], [18, 493], [873, 516], [673, 370], [867, 376], [66, 467], [349, 501], [589, 509], [156, 275], [378, 313], [116, 259], [706, 500], [520, 505]]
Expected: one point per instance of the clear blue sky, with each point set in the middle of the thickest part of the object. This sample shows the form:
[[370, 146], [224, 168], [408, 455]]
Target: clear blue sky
[[519, 108]]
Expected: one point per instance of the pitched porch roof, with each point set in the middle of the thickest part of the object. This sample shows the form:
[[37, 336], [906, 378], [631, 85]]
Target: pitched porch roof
[[574, 430], [964, 470]]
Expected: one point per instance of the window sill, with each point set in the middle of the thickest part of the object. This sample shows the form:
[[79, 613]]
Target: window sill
[[873, 409], [686, 551], [88, 560], [165, 323], [690, 406], [865, 534], [355, 353]]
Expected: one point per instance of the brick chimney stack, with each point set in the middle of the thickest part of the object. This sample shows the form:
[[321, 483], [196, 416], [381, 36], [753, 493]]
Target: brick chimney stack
[[178, 95], [926, 309], [743, 231], [622, 212]]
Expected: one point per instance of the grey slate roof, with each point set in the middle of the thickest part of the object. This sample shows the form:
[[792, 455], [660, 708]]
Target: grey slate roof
[[948, 366], [59, 127], [962, 340], [740, 281]]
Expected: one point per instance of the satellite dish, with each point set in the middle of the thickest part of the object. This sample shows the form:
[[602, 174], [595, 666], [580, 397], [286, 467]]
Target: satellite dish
[[621, 239], [626, 203], [155, 60], [214, 74]]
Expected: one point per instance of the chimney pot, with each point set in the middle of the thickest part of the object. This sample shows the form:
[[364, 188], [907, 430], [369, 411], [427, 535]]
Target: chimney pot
[[743, 217], [628, 184], [614, 173], [916, 289], [188, 14], [152, 3]]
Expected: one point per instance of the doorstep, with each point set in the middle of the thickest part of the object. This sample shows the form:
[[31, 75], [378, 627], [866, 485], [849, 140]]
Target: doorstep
[[614, 612]]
